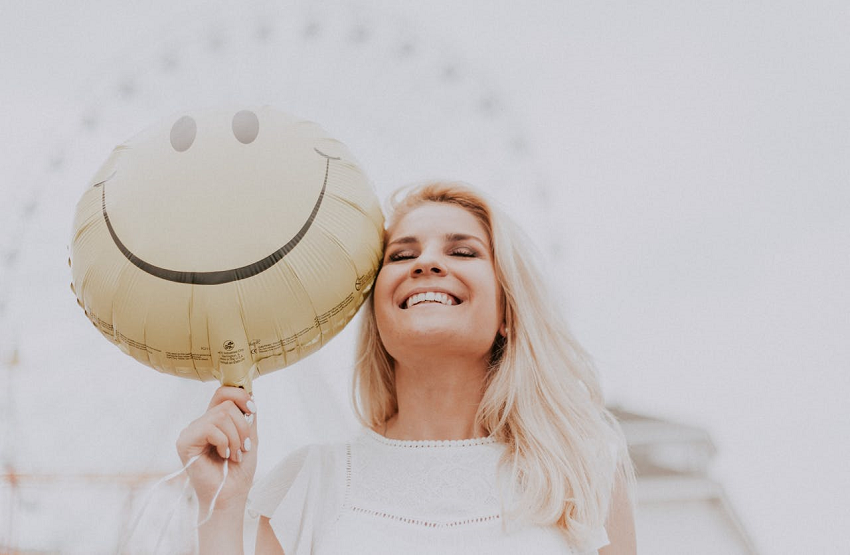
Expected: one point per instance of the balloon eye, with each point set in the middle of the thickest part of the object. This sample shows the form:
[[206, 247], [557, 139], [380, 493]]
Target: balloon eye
[[183, 133], [246, 126]]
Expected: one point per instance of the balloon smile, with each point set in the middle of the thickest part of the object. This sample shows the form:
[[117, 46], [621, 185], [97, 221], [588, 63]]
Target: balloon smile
[[221, 276]]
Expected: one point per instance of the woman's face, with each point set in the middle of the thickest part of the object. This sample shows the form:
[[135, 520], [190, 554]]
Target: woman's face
[[437, 288]]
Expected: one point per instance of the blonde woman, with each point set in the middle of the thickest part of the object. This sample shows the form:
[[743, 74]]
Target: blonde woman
[[484, 426]]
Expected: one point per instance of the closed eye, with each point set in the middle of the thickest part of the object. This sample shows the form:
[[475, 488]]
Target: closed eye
[[464, 252], [401, 255]]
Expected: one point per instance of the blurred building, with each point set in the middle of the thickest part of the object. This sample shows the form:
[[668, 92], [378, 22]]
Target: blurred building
[[680, 509]]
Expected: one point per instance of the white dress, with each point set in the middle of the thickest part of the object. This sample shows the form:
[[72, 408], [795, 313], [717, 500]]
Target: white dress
[[383, 496]]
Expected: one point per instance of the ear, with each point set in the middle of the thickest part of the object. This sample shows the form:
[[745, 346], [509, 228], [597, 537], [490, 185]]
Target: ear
[[503, 331]]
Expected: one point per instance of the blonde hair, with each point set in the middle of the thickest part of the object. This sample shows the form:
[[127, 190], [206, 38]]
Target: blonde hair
[[542, 397]]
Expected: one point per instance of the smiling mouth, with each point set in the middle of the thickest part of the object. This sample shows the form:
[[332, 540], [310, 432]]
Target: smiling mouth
[[430, 297], [220, 276]]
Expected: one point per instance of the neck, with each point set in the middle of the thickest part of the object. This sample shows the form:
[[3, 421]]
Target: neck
[[437, 399]]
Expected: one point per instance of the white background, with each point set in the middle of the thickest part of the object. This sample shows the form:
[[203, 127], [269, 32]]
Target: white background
[[696, 160]]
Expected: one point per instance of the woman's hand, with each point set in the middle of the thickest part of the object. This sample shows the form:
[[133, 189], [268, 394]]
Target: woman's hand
[[227, 430]]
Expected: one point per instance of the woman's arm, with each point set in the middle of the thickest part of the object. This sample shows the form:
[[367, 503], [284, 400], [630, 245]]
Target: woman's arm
[[621, 522], [227, 430], [222, 533], [267, 543]]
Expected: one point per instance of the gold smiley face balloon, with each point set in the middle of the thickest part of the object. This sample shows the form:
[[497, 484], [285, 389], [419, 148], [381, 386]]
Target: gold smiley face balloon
[[224, 245]]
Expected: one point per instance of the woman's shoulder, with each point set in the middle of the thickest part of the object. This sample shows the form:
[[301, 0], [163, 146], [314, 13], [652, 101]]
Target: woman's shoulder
[[308, 471], [301, 495], [309, 455]]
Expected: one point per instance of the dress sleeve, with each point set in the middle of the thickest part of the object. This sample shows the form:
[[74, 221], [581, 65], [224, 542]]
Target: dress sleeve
[[301, 496], [597, 540]]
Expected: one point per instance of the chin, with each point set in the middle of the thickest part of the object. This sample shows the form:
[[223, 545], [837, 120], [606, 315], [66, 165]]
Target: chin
[[425, 342]]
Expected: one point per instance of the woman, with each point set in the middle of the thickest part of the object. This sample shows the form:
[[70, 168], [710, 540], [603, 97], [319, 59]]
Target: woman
[[484, 426]]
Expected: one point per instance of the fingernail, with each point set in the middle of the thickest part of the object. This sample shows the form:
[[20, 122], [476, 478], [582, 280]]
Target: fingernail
[[252, 407], [239, 456], [250, 418], [247, 445], [227, 453]]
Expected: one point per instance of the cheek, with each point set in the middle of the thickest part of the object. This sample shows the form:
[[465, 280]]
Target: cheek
[[383, 286], [498, 303], [383, 295]]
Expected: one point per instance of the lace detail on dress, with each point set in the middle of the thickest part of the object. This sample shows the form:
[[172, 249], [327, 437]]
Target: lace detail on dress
[[426, 523], [423, 443], [435, 484]]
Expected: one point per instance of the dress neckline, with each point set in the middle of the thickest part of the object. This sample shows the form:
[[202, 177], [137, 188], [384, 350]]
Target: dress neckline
[[428, 443]]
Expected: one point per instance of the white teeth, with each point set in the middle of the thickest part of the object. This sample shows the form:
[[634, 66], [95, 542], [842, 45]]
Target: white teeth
[[431, 296]]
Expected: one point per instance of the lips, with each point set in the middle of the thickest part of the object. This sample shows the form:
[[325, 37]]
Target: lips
[[430, 297]]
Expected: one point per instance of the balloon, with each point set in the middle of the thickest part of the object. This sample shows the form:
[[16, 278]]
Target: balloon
[[224, 245]]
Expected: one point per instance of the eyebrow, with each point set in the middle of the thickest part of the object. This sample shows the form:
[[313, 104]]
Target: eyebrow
[[450, 238], [458, 237]]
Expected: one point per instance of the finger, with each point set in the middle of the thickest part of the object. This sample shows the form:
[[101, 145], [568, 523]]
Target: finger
[[218, 439], [226, 422], [198, 436], [251, 421], [237, 395], [241, 423]]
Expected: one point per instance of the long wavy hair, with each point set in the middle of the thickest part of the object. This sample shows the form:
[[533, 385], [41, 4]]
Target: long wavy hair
[[542, 396]]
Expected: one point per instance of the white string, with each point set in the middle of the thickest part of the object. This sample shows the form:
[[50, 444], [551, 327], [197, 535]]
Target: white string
[[212, 503], [171, 516], [148, 498]]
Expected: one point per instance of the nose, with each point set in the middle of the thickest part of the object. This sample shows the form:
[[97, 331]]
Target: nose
[[428, 264]]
